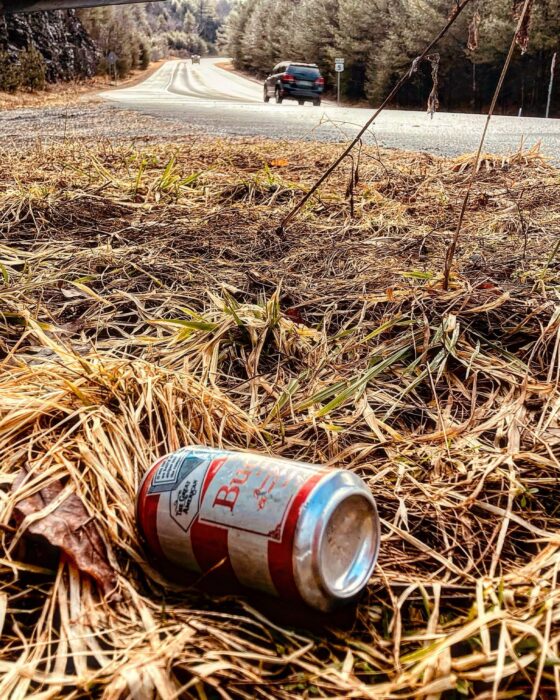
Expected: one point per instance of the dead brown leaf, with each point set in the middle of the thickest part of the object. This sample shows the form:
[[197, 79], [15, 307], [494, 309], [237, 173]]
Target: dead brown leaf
[[474, 32], [70, 529], [522, 35]]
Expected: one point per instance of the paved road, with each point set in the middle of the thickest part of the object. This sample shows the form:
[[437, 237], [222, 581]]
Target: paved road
[[216, 101]]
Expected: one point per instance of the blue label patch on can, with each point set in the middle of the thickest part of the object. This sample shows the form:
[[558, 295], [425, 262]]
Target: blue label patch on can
[[173, 470]]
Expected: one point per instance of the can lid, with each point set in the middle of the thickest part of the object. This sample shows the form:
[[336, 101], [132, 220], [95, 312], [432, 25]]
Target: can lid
[[337, 540], [347, 543]]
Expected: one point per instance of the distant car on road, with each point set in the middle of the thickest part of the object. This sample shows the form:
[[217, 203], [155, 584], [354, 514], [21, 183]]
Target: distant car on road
[[195, 58], [294, 81]]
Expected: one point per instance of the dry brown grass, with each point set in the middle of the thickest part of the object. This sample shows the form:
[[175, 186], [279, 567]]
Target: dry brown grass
[[147, 302], [53, 96], [61, 94]]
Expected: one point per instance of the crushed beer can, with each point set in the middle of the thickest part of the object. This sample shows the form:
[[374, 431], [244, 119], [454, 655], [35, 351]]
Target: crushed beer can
[[294, 530]]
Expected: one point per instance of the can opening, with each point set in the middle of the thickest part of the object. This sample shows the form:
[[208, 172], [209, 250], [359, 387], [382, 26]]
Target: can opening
[[348, 546]]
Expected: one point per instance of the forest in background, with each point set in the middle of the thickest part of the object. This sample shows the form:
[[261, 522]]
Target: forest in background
[[379, 38], [141, 33], [47, 47]]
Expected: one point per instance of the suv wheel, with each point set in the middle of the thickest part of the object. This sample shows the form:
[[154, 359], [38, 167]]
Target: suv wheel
[[301, 102], [317, 102], [266, 95], [278, 96]]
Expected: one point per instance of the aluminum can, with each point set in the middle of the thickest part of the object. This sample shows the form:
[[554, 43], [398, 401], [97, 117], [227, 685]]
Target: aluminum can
[[291, 529]]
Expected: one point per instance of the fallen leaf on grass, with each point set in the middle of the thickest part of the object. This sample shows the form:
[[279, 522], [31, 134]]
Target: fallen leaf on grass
[[69, 529], [295, 315], [279, 163]]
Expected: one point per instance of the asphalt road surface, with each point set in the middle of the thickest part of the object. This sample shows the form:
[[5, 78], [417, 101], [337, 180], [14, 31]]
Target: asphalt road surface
[[216, 101]]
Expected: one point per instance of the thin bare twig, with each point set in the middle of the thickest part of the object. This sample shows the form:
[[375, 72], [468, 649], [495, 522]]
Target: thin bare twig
[[404, 79], [453, 245]]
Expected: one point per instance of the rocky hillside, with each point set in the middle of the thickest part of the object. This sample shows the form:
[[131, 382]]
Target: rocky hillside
[[56, 46], [68, 51]]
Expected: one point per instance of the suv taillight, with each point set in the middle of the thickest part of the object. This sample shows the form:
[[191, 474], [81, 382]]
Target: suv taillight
[[320, 81], [287, 78]]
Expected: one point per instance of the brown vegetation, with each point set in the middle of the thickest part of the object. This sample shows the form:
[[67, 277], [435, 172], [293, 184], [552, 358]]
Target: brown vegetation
[[147, 302], [57, 94]]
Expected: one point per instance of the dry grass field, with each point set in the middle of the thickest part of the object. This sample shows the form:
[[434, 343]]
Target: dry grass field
[[148, 301]]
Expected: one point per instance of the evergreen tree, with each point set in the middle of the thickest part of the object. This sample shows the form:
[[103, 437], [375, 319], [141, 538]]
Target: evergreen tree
[[32, 69], [142, 32], [380, 38], [10, 73]]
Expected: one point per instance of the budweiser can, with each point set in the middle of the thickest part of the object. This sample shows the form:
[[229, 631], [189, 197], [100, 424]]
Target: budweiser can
[[295, 530]]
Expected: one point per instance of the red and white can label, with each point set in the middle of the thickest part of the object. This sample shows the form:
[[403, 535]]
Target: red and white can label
[[247, 494], [203, 508]]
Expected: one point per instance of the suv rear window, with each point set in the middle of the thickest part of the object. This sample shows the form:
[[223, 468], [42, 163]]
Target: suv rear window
[[304, 72]]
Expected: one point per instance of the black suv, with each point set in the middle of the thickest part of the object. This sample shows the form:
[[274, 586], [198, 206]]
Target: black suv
[[294, 81]]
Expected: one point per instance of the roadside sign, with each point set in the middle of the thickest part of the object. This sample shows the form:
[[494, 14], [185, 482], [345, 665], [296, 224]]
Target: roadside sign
[[112, 63], [339, 68]]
